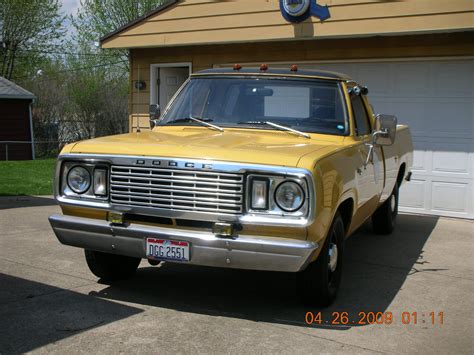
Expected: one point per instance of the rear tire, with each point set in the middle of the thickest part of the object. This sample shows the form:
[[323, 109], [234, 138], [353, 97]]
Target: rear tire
[[319, 283], [385, 217], [111, 267]]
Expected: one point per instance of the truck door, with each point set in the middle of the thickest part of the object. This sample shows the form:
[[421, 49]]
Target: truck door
[[369, 175]]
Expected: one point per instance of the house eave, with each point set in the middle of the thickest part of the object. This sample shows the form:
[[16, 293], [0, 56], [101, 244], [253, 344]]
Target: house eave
[[119, 30], [17, 97]]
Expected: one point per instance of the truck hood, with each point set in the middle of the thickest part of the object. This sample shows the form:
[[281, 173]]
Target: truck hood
[[233, 145]]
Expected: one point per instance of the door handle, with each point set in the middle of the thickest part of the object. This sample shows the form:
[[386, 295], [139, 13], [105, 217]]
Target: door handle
[[370, 155]]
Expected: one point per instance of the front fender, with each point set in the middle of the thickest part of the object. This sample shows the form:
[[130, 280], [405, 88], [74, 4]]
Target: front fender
[[334, 176]]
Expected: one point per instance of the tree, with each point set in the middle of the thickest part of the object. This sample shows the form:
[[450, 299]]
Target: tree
[[74, 104], [96, 18], [98, 97], [30, 30], [49, 107]]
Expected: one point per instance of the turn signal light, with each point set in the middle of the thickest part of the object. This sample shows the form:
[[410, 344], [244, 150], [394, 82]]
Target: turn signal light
[[115, 217], [259, 197], [100, 182], [223, 229]]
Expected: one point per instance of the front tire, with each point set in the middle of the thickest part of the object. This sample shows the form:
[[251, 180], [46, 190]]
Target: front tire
[[319, 283], [385, 217], [111, 267]]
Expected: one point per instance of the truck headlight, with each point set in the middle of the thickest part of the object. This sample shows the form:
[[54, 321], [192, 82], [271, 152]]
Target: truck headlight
[[79, 179], [83, 180], [289, 196]]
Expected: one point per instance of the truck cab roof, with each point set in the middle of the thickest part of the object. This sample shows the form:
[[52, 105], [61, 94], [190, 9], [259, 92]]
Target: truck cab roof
[[277, 72]]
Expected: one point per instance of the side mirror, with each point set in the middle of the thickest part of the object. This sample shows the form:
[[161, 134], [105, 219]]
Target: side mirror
[[154, 114], [385, 130], [384, 134]]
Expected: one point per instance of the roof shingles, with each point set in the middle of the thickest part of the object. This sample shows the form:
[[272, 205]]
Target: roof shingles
[[10, 90]]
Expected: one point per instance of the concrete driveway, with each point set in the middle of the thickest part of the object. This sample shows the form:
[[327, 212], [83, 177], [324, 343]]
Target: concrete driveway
[[50, 302]]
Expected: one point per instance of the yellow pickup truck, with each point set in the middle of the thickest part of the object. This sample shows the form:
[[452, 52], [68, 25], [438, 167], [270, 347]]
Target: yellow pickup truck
[[262, 169]]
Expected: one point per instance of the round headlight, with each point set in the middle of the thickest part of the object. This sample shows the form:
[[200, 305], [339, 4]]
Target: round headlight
[[79, 179], [289, 196]]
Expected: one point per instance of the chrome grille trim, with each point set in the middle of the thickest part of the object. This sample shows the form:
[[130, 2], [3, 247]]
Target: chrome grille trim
[[141, 161], [177, 189]]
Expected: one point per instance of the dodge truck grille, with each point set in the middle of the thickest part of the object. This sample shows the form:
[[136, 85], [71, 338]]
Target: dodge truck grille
[[175, 189]]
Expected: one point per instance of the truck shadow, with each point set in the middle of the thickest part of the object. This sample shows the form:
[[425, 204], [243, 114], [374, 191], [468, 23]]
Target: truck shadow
[[374, 271], [34, 314], [8, 202]]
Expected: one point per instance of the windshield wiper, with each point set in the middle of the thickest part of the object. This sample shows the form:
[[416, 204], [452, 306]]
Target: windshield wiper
[[200, 121], [288, 129]]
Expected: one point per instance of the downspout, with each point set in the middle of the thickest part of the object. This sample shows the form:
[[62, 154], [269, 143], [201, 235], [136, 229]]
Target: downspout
[[31, 132]]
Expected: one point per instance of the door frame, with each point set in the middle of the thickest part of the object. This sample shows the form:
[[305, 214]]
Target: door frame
[[154, 76]]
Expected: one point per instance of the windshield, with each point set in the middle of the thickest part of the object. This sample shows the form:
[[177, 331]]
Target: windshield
[[313, 106]]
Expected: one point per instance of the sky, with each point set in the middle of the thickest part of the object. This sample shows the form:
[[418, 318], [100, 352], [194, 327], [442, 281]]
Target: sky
[[70, 6]]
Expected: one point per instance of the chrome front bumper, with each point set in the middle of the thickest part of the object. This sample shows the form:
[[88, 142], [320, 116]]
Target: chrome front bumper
[[241, 252]]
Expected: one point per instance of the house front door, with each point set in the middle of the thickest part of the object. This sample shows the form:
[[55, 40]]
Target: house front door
[[169, 81]]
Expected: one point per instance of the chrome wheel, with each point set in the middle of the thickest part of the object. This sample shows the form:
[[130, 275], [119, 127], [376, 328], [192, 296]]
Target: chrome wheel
[[332, 257], [384, 218], [393, 204], [320, 281]]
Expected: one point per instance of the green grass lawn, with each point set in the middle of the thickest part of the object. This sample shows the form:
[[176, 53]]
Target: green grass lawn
[[30, 177]]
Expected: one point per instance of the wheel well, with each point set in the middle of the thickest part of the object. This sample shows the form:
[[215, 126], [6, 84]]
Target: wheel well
[[345, 209], [401, 174]]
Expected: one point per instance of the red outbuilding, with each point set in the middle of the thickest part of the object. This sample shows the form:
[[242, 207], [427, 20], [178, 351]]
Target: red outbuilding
[[16, 129]]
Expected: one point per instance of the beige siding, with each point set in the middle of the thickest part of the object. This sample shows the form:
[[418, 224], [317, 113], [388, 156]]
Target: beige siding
[[204, 57], [198, 22]]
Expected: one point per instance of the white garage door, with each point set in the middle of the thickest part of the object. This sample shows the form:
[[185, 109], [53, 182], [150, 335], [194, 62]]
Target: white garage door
[[436, 99]]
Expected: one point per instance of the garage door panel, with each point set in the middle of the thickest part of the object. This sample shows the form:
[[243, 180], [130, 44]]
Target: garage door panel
[[451, 158], [408, 111], [429, 117], [375, 76], [445, 86], [412, 79], [450, 117], [380, 105], [412, 194], [446, 198], [421, 157], [449, 196]]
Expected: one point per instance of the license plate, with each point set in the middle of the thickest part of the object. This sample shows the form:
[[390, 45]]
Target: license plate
[[162, 249]]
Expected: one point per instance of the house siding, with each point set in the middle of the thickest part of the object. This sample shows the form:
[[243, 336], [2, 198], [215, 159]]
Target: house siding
[[242, 21]]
